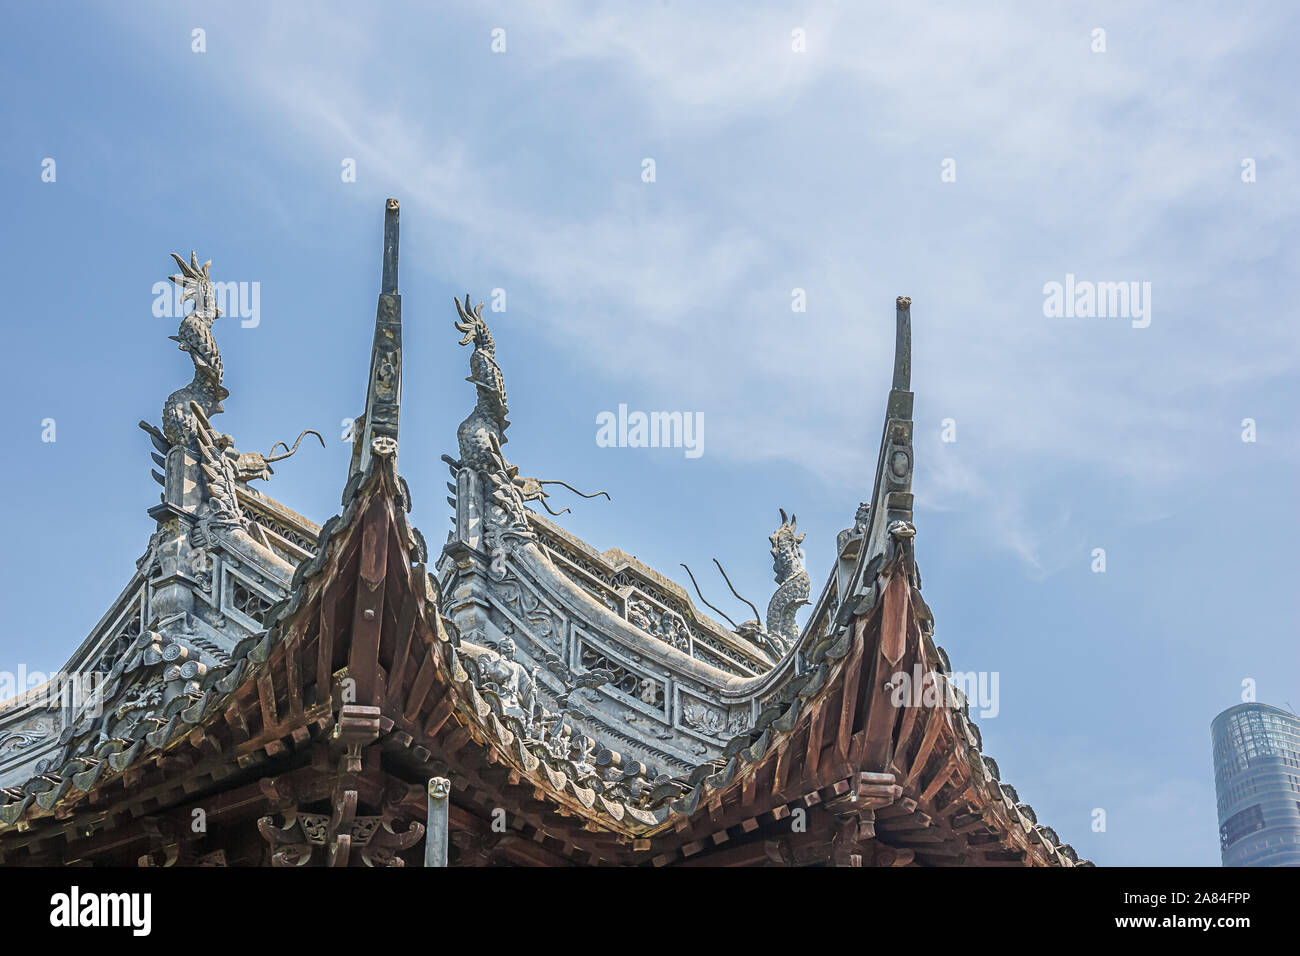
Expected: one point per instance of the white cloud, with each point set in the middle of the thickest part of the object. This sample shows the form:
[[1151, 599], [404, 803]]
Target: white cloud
[[1068, 161]]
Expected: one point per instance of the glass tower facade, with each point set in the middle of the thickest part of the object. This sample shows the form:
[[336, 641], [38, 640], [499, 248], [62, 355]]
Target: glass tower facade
[[1257, 780]]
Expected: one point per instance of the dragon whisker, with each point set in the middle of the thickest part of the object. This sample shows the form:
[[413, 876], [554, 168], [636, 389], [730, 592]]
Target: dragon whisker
[[288, 452], [556, 481], [734, 625], [757, 616]]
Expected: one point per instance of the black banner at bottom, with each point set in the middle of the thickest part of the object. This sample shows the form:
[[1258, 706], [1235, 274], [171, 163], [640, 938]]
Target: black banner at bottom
[[141, 905]]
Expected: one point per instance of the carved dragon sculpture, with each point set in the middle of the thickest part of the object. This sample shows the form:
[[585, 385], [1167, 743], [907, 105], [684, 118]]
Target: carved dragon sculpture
[[483, 432], [792, 580], [195, 338], [781, 631], [187, 413], [221, 511]]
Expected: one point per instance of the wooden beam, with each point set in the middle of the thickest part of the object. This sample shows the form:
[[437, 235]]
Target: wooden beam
[[753, 853], [876, 745], [325, 645], [849, 702], [455, 741], [293, 668], [235, 721], [782, 768], [266, 697], [873, 744], [368, 611], [901, 807], [894, 856], [816, 731], [895, 618], [440, 715], [934, 724], [905, 729], [420, 689], [945, 773], [403, 633]]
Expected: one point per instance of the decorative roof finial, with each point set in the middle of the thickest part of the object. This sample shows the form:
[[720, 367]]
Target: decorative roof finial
[[793, 581], [188, 447], [388, 282], [195, 338], [484, 431], [384, 391], [886, 521], [903, 345]]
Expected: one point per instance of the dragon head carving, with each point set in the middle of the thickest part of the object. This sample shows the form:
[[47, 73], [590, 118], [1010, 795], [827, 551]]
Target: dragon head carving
[[787, 559], [485, 374], [197, 285], [194, 337]]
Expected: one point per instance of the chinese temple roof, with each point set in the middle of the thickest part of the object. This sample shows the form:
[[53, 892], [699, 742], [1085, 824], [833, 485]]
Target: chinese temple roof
[[315, 677]]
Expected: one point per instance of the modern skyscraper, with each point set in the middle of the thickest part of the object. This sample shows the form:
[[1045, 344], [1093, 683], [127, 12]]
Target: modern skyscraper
[[1257, 780]]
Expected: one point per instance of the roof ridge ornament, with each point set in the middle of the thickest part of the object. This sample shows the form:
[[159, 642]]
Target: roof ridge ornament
[[188, 411], [485, 428], [887, 520], [221, 512], [483, 432], [780, 631], [384, 389], [195, 338], [903, 344], [793, 583]]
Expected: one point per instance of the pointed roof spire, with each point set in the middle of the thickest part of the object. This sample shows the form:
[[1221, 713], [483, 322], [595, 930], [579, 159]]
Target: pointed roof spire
[[903, 344], [384, 391], [890, 514], [388, 284], [892, 502]]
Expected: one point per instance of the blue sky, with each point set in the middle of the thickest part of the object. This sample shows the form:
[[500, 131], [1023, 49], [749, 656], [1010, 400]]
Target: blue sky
[[775, 170]]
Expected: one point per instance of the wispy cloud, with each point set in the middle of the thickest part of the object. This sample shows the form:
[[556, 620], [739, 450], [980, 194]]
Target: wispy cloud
[[1067, 160]]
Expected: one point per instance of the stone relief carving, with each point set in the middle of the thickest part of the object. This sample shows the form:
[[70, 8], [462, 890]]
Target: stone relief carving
[[861, 520], [28, 732], [513, 685], [704, 719], [544, 625], [643, 687], [668, 626]]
